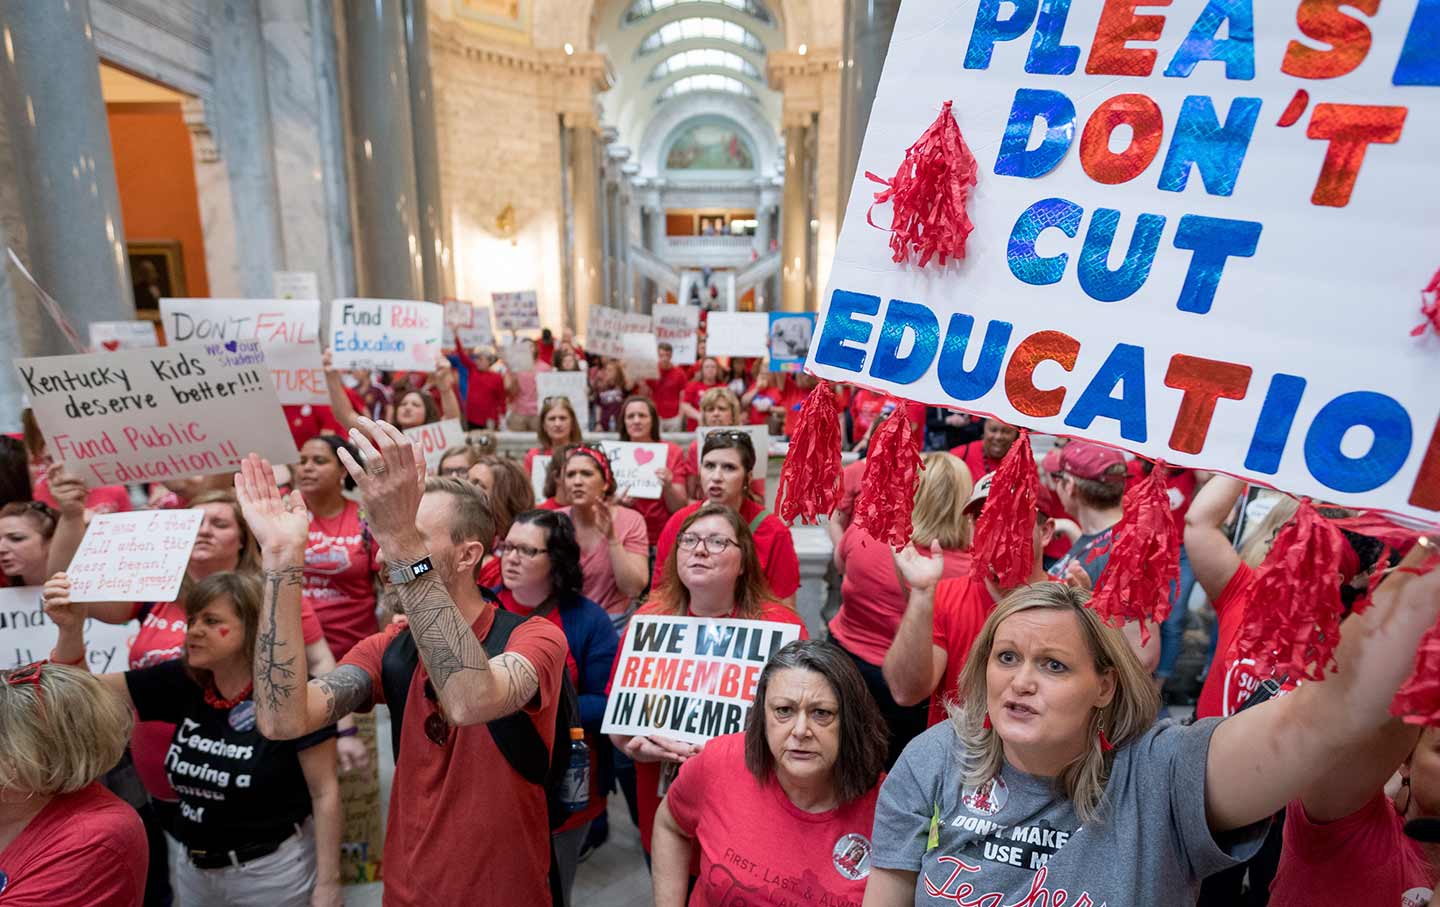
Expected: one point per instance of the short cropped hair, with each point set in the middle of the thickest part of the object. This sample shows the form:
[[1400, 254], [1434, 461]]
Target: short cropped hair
[[472, 519], [59, 736]]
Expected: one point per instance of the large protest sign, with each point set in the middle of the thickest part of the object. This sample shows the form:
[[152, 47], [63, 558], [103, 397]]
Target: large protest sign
[[737, 334], [641, 358], [434, 438], [27, 634], [398, 334], [635, 465], [287, 329], [459, 313], [1272, 185], [539, 466], [690, 678], [606, 330], [139, 556], [573, 386], [151, 415], [518, 311], [122, 335], [679, 326], [759, 439], [790, 334], [480, 333]]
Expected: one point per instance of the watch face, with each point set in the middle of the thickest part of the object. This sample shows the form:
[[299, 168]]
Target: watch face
[[421, 567]]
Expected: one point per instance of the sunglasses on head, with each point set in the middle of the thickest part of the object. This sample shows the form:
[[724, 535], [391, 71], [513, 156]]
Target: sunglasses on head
[[29, 675]]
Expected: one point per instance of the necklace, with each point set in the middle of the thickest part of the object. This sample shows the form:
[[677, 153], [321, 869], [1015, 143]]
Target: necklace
[[215, 701]]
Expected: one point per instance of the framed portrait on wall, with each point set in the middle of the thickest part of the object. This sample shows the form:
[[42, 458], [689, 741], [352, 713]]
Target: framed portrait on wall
[[156, 270]]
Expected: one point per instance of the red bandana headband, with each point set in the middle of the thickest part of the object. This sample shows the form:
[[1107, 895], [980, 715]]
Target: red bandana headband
[[598, 457]]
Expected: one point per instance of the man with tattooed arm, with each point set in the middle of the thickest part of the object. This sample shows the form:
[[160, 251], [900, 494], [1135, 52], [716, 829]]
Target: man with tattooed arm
[[453, 787]]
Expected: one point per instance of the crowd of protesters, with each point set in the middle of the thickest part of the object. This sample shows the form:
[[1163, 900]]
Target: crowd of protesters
[[953, 739]]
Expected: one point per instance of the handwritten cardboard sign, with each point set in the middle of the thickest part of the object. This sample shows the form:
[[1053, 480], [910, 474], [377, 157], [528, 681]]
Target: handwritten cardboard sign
[[790, 334], [479, 333], [573, 386], [434, 438], [392, 334], [459, 313], [635, 466], [1200, 235], [759, 439], [287, 329], [517, 311], [27, 634], [165, 413], [690, 678], [134, 557], [607, 328], [122, 335], [679, 326], [737, 334]]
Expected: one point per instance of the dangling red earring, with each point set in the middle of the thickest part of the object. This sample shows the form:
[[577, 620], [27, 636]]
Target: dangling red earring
[[1105, 744], [986, 725]]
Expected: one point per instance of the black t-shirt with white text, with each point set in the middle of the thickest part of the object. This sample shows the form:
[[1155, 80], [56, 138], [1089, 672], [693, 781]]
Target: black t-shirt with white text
[[236, 788]]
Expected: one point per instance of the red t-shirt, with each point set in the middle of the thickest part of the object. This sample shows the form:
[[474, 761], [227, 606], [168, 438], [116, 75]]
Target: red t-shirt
[[872, 600], [161, 638], [667, 390], [693, 391], [647, 774], [653, 509], [865, 407], [307, 421], [961, 608], [86, 847], [1364, 858], [465, 791], [773, 545], [341, 559], [1229, 684], [489, 572], [597, 567], [761, 404], [754, 844], [974, 456], [850, 478], [484, 398]]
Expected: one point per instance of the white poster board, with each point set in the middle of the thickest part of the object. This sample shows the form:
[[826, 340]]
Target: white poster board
[[459, 313], [690, 678], [517, 311], [635, 465], [27, 634], [138, 556], [539, 466], [479, 333], [737, 334], [679, 326], [122, 335], [166, 413], [641, 359], [391, 334], [434, 438], [573, 386], [519, 356], [296, 285], [606, 330], [759, 439], [287, 329], [1177, 251]]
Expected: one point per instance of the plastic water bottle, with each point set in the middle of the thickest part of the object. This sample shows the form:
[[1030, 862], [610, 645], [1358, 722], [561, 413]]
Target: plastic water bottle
[[575, 792]]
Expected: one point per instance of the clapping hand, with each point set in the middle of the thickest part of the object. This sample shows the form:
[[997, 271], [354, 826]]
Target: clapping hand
[[279, 522], [391, 481], [920, 572]]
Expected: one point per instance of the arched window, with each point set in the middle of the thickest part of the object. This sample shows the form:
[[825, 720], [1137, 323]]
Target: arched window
[[710, 144], [642, 8], [704, 28], [707, 81], [704, 58]]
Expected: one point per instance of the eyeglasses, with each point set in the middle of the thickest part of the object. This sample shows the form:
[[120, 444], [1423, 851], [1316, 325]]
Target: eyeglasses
[[549, 400], [526, 552], [455, 472], [436, 727], [29, 675], [714, 544]]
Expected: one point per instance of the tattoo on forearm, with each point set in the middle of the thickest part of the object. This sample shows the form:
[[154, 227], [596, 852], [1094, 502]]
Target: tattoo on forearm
[[447, 644], [274, 669], [523, 679], [345, 689]]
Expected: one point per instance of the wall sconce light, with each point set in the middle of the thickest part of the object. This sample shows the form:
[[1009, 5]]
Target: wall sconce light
[[506, 225]]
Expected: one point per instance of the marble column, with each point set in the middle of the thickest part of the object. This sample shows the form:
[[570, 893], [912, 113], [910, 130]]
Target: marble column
[[587, 260], [383, 152], [868, 25], [795, 220], [59, 151], [434, 239]]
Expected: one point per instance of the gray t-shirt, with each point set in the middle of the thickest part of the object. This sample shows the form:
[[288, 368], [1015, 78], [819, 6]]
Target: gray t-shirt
[[1018, 836], [1091, 552]]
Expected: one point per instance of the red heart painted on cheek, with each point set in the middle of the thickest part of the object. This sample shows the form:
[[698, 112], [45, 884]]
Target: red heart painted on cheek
[[223, 631]]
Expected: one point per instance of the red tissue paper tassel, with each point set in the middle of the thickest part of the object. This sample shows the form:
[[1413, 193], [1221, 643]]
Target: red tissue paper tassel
[[929, 193], [1005, 536], [1429, 307], [1418, 700], [1293, 624], [810, 479], [892, 472], [1144, 559]]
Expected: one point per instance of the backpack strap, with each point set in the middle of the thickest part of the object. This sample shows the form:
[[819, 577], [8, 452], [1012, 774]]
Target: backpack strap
[[759, 518]]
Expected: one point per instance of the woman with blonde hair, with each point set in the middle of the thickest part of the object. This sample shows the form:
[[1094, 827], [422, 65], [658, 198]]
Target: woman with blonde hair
[[873, 596], [558, 426], [64, 839], [1053, 780]]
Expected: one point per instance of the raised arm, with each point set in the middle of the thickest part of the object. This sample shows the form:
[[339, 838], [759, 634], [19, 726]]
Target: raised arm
[[69, 620], [1262, 758], [69, 492], [471, 687], [1212, 555], [444, 378], [340, 405], [914, 665]]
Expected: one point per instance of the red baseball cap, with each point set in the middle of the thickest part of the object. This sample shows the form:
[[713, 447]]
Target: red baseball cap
[[1085, 460]]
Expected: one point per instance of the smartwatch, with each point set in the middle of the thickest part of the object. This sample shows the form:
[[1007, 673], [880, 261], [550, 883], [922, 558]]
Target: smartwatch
[[399, 575]]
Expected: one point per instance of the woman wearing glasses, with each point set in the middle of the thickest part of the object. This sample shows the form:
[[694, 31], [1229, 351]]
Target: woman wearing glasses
[[713, 570], [540, 567], [558, 427], [640, 424], [64, 839], [614, 551], [246, 802], [725, 469]]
